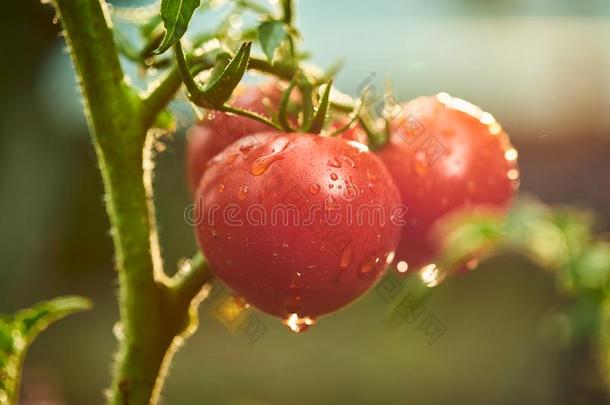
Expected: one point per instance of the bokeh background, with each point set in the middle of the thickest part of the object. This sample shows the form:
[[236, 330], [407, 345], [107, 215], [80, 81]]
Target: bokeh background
[[542, 67]]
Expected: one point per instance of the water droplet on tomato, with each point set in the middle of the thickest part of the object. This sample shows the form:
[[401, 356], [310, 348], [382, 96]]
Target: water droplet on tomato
[[368, 265], [314, 188], [221, 187], [420, 165], [240, 302], [260, 165], [402, 266], [346, 256], [334, 163], [242, 193], [264, 193], [246, 147], [513, 174], [511, 154], [333, 176], [349, 161], [390, 257], [431, 275], [495, 128], [231, 158], [298, 325]]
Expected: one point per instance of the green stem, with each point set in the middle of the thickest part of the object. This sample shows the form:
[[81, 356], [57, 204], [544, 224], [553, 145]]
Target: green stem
[[604, 340], [151, 318], [251, 115]]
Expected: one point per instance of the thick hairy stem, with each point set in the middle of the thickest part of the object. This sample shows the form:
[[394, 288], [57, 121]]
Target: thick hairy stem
[[604, 342], [151, 316]]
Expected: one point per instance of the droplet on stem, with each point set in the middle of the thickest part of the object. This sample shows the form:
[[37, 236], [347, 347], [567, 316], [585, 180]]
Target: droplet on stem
[[243, 192]]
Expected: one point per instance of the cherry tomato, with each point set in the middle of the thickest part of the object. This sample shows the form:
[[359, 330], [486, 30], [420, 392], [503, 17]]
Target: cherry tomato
[[298, 225], [445, 154]]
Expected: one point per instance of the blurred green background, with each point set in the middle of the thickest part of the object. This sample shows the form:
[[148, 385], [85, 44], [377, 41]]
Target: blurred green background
[[542, 67]]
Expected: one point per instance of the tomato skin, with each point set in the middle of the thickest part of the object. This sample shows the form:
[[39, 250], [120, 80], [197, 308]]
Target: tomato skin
[[445, 155], [296, 265], [210, 136]]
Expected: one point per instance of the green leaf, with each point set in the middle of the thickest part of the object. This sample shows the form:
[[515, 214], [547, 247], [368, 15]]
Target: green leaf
[[176, 15], [218, 89], [270, 35], [317, 123], [18, 332]]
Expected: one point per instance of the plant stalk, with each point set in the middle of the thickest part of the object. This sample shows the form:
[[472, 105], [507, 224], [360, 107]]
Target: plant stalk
[[152, 318]]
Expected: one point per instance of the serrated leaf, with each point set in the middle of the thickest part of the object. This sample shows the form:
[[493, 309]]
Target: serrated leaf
[[270, 36], [176, 15], [317, 123], [217, 92], [18, 332]]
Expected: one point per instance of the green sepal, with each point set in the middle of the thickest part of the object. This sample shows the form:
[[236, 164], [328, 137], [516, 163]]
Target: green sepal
[[219, 88], [284, 101], [317, 123]]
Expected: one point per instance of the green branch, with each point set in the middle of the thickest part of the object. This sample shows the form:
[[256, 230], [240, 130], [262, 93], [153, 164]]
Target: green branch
[[119, 121], [191, 277]]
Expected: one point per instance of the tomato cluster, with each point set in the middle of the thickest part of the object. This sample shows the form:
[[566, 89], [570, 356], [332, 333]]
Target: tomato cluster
[[300, 225]]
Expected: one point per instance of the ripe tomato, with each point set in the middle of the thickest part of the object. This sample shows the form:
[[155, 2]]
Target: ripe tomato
[[445, 154], [209, 137], [298, 225]]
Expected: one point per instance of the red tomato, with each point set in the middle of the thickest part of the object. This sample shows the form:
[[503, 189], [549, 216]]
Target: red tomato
[[445, 154], [298, 225]]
